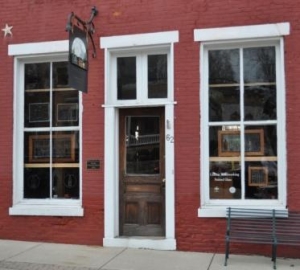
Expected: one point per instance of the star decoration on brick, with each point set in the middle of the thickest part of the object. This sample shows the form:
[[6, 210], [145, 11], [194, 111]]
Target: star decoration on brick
[[7, 30]]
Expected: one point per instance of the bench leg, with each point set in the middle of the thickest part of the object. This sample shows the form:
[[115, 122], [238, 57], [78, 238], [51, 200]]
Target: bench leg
[[274, 252], [226, 251]]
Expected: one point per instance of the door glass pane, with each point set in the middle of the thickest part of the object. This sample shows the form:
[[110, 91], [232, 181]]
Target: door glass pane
[[126, 68], [142, 145], [157, 76]]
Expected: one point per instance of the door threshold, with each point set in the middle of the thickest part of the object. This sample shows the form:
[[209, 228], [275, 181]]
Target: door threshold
[[156, 243]]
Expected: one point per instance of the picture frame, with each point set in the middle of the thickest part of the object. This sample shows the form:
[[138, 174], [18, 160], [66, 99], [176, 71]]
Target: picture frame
[[39, 112], [63, 146], [67, 112], [258, 176], [229, 142]]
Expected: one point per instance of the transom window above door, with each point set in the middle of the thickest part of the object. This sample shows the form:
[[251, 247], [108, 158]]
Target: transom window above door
[[153, 67], [140, 77]]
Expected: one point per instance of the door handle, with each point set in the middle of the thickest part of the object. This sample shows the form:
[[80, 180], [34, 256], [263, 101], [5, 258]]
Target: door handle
[[163, 183]]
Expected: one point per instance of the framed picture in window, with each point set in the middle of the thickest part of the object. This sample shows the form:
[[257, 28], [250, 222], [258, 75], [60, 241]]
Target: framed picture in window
[[229, 142], [257, 176], [67, 112], [39, 112], [63, 148]]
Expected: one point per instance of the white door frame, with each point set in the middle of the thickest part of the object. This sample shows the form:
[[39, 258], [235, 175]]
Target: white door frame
[[115, 44], [111, 183]]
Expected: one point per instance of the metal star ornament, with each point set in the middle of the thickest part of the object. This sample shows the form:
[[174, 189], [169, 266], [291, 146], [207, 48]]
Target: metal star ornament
[[7, 30]]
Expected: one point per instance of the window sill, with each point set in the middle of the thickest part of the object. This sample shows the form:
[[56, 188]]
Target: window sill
[[216, 212], [46, 210]]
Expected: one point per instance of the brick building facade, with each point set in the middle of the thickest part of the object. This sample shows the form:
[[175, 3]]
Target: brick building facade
[[192, 106]]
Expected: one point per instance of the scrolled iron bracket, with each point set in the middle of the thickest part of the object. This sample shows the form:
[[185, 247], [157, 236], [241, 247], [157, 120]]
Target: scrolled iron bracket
[[88, 26]]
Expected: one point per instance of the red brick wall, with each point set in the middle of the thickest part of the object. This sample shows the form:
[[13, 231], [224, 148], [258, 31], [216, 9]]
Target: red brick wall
[[45, 20]]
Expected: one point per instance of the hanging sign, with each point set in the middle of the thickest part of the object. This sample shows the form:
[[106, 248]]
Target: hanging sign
[[78, 59]]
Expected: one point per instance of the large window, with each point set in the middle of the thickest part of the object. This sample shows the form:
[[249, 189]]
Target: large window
[[51, 133], [47, 177], [243, 124], [242, 121]]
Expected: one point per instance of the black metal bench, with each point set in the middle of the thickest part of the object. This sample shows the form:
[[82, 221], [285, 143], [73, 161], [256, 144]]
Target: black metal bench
[[288, 229], [260, 226]]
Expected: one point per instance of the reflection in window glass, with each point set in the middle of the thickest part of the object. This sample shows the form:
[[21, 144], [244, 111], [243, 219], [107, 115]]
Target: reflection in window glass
[[259, 65], [157, 76], [126, 68], [37, 76], [224, 66], [142, 145], [224, 103]]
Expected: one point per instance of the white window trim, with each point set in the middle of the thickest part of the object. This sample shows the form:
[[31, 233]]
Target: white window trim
[[41, 51], [138, 44], [127, 44], [243, 35]]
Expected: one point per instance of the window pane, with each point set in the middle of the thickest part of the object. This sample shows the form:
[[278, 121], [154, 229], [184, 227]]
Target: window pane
[[37, 152], [260, 102], [65, 108], [65, 147], [225, 180], [37, 106], [224, 104], [224, 66], [259, 65], [157, 76], [37, 147], [37, 76], [65, 183], [37, 109], [60, 75], [126, 68], [261, 173], [36, 183], [261, 180], [142, 145]]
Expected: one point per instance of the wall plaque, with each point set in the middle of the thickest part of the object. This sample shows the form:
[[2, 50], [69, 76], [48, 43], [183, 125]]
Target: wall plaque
[[93, 164]]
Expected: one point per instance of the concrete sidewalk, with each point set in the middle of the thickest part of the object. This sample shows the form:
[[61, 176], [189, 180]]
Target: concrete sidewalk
[[45, 256]]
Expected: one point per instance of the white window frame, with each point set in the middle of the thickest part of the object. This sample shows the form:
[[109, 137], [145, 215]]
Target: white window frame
[[29, 53], [237, 37]]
